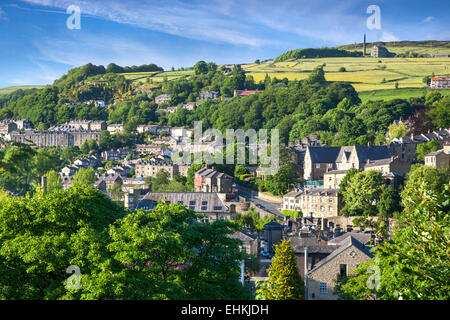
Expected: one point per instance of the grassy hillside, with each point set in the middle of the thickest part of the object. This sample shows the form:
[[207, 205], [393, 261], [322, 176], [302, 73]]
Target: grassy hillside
[[404, 47], [141, 77], [365, 74], [7, 90]]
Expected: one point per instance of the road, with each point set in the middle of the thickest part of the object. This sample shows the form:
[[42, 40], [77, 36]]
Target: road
[[251, 195]]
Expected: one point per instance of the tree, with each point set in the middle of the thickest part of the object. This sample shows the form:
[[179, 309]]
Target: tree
[[200, 67], [362, 193], [240, 169], [106, 141], [413, 265], [317, 75], [84, 177], [440, 115], [284, 281], [424, 148], [16, 168], [70, 153], [160, 181], [397, 130], [434, 179], [346, 180], [53, 181], [41, 236], [180, 258]]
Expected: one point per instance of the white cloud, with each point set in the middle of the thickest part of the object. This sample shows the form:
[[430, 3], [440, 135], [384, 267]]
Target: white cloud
[[97, 49], [172, 17], [388, 36], [428, 19], [3, 15]]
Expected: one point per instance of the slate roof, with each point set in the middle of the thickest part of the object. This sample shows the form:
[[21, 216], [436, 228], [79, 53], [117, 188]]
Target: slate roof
[[347, 243], [210, 173], [272, 225], [243, 236], [435, 153], [323, 154], [365, 153], [205, 202], [362, 237]]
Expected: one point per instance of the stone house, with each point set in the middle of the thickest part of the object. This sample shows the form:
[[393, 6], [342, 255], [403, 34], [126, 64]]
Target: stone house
[[210, 180], [7, 126], [319, 161], [109, 181], [152, 149], [248, 240], [154, 129], [204, 95], [151, 168], [439, 159], [321, 279], [115, 128], [381, 52], [115, 154], [314, 203], [192, 105], [162, 98]]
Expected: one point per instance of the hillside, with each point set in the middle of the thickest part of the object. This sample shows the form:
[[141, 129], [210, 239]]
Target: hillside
[[10, 89], [404, 47], [364, 74]]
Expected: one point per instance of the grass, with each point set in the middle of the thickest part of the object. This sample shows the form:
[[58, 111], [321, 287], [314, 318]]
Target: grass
[[365, 74], [7, 90], [156, 76], [396, 94], [404, 47]]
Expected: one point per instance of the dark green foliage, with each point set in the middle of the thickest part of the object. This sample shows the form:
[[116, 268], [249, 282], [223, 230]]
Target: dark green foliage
[[414, 264], [162, 254], [315, 53]]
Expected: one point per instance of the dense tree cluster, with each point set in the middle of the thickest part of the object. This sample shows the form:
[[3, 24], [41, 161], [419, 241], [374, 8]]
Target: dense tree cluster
[[162, 254], [413, 264], [316, 53]]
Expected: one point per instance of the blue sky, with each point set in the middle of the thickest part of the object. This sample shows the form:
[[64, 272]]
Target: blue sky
[[36, 47]]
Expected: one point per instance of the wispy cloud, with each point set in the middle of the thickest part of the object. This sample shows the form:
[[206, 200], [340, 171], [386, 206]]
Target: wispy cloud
[[173, 17], [3, 15], [388, 36], [97, 49], [428, 19]]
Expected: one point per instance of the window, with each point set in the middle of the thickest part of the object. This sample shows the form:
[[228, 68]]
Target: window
[[203, 208], [181, 201], [343, 270], [192, 203], [218, 208], [317, 165], [204, 203], [192, 207], [323, 289]]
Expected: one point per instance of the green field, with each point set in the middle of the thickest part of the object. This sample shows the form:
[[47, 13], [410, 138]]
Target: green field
[[7, 90], [395, 94], [365, 74], [141, 77], [404, 47]]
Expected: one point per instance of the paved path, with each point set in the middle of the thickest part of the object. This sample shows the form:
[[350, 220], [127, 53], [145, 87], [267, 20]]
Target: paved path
[[251, 195]]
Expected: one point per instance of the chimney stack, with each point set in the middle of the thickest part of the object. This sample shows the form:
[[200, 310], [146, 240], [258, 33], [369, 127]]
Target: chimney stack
[[306, 272], [44, 183], [364, 46]]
